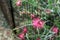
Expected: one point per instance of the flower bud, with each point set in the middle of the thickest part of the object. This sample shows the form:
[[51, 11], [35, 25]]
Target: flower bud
[[18, 3], [25, 30]]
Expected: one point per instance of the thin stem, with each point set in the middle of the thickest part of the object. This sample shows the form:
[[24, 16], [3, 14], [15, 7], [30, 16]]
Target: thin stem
[[27, 36], [48, 33], [43, 32], [38, 31], [22, 26]]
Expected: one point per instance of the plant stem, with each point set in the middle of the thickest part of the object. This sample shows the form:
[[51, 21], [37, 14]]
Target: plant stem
[[38, 31], [22, 26], [27, 36]]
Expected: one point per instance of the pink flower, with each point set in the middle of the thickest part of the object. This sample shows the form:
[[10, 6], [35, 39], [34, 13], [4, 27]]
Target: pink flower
[[18, 3], [38, 23], [55, 29], [21, 36], [32, 16], [38, 39], [25, 30]]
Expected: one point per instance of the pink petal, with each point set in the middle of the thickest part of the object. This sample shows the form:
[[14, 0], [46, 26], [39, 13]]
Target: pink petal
[[55, 29]]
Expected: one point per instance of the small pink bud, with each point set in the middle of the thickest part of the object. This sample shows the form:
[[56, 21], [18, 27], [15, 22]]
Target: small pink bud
[[32, 16], [25, 30], [18, 3], [38, 39], [21, 36], [55, 29]]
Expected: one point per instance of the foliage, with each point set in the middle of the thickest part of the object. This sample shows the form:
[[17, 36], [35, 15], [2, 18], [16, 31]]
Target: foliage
[[47, 10]]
